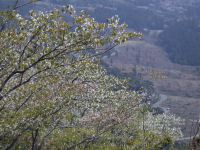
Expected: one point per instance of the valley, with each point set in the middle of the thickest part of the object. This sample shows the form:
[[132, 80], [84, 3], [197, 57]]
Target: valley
[[180, 83]]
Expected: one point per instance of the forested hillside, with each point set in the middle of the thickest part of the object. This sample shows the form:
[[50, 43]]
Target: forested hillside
[[181, 41]]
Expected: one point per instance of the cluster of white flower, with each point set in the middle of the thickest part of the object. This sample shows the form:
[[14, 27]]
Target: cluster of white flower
[[50, 80]]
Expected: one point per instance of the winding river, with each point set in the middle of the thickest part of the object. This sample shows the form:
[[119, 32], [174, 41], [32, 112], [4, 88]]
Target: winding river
[[158, 104]]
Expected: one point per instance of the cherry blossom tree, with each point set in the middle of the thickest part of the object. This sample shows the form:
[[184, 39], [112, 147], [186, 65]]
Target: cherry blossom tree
[[54, 93]]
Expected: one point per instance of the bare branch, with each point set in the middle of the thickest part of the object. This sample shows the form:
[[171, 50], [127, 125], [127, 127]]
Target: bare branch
[[28, 80], [12, 144], [24, 102], [7, 79], [30, 2], [9, 146], [2, 27], [15, 4], [47, 134], [94, 137], [23, 51], [95, 55], [23, 71], [34, 138]]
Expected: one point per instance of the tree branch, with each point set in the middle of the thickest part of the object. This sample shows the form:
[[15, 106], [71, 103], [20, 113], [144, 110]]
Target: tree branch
[[47, 134], [94, 137], [34, 138], [15, 4], [28, 80], [23, 103], [17, 7]]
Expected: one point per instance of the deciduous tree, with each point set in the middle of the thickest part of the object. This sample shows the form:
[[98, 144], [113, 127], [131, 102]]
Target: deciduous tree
[[54, 93]]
